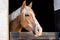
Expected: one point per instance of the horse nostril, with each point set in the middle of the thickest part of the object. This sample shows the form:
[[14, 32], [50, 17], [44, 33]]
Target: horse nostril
[[38, 30]]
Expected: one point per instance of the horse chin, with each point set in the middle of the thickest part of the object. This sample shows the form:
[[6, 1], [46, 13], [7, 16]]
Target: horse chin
[[37, 35]]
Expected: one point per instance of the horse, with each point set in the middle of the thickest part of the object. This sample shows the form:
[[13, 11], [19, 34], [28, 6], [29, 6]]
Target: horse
[[24, 17]]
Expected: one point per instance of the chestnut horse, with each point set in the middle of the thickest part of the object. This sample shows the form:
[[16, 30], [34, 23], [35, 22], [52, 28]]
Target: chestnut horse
[[24, 17]]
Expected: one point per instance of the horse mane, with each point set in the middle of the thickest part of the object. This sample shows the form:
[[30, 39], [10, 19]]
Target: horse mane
[[16, 13]]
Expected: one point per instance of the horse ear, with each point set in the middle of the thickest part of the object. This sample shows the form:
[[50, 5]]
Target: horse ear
[[24, 4], [30, 5]]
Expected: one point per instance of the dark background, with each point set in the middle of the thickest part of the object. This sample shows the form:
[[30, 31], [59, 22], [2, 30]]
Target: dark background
[[43, 9]]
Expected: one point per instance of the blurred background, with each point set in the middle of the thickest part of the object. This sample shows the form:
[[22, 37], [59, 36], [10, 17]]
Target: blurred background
[[57, 15]]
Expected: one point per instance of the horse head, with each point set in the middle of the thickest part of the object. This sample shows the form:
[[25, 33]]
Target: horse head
[[28, 20]]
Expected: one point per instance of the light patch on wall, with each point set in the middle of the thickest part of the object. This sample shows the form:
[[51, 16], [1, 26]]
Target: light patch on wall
[[56, 4], [4, 20]]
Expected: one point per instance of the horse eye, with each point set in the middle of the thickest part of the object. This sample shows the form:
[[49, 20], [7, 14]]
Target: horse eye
[[26, 15]]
